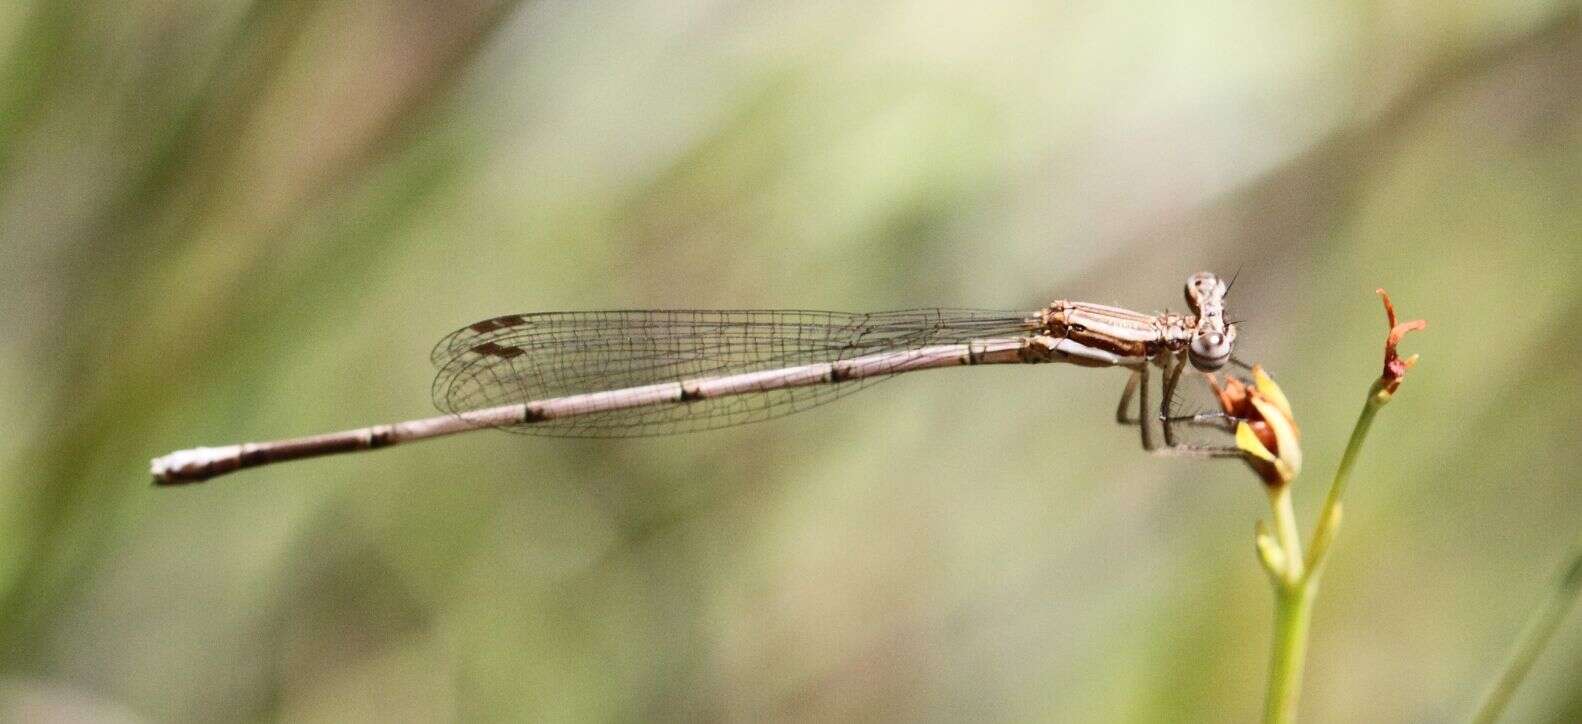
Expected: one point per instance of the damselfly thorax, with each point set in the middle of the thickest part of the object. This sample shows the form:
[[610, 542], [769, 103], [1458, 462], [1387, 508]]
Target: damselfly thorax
[[1129, 337]]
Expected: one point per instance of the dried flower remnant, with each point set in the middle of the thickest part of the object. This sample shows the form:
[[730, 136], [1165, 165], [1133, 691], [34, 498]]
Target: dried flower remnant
[[1266, 429], [1394, 366]]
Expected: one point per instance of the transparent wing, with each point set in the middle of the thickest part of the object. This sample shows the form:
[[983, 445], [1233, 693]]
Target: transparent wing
[[526, 357]]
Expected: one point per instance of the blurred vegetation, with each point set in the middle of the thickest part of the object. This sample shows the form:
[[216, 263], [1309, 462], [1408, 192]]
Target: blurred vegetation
[[226, 221]]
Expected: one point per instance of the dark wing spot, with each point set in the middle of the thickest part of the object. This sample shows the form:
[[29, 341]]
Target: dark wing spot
[[490, 325], [490, 349]]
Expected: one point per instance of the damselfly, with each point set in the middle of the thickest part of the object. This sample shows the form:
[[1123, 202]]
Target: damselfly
[[639, 373]]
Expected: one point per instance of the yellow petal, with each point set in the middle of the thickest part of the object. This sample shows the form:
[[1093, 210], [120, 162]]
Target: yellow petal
[[1249, 443], [1286, 437], [1272, 392]]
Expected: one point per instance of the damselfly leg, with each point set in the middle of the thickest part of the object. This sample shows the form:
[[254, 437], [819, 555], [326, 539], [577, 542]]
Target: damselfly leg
[[1158, 419]]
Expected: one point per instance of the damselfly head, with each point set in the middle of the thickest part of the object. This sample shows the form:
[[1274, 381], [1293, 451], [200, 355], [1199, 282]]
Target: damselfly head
[[1212, 339]]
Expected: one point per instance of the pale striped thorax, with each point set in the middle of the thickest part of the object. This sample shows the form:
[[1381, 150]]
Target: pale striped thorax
[[1204, 335]]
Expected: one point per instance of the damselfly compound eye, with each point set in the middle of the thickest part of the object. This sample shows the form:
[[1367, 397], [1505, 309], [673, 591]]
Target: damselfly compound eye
[[1203, 286], [1210, 351]]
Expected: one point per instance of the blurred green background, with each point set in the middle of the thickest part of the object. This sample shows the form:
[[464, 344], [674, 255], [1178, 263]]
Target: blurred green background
[[227, 221]]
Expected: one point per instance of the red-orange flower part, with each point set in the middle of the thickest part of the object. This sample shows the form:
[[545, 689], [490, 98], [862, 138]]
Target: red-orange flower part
[[1394, 366], [1266, 429]]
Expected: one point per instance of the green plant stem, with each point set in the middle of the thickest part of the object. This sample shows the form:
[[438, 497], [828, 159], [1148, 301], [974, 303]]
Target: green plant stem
[[1329, 517], [1296, 585], [1535, 635], [1293, 612], [1286, 533]]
